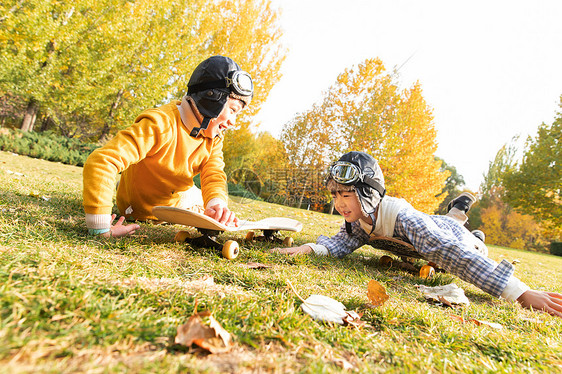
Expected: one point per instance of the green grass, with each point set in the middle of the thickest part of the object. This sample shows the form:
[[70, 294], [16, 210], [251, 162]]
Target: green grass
[[75, 303]]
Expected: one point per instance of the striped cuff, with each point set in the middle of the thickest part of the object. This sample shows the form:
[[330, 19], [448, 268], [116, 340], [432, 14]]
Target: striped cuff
[[97, 231]]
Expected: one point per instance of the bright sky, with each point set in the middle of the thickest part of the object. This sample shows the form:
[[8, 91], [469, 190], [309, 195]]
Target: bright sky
[[489, 69]]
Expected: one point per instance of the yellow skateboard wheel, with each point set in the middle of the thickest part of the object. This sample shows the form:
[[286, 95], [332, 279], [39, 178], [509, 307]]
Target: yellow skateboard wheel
[[427, 271], [385, 261], [288, 241], [181, 236], [230, 249], [250, 236]]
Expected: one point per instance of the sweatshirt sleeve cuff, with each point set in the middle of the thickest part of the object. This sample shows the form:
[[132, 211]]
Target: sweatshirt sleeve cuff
[[216, 201], [98, 222], [514, 289], [319, 249]]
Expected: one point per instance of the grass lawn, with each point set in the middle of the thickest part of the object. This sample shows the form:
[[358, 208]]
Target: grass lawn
[[76, 303]]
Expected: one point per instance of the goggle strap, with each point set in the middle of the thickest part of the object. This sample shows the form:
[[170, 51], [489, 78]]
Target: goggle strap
[[206, 86]]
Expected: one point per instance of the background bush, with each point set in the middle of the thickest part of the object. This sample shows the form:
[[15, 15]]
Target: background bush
[[47, 146], [556, 248]]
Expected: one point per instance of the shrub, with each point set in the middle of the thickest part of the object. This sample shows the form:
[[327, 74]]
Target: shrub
[[47, 146], [556, 248]]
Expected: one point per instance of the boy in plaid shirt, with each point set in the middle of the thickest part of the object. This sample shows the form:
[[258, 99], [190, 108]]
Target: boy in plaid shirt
[[357, 186]]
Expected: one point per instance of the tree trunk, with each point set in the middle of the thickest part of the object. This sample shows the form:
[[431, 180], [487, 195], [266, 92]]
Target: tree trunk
[[105, 130], [30, 116], [302, 194]]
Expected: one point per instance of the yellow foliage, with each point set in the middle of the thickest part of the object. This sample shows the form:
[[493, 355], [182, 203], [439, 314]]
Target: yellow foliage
[[505, 227], [366, 111]]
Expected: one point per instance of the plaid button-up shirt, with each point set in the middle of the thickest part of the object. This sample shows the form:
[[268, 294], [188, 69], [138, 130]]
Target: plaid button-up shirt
[[439, 239]]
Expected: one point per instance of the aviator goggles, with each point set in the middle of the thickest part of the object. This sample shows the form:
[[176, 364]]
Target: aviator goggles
[[237, 81], [347, 173]]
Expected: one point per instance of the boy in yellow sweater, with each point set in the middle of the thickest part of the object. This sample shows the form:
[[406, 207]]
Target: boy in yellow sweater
[[166, 147]]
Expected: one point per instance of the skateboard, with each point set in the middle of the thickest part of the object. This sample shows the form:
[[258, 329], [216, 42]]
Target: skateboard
[[210, 229], [403, 250]]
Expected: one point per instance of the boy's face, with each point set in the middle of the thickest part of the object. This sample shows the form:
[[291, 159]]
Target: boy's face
[[225, 120], [347, 204]]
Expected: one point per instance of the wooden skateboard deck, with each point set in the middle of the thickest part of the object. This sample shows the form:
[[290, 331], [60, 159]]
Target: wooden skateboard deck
[[209, 228], [396, 246], [405, 251], [201, 221]]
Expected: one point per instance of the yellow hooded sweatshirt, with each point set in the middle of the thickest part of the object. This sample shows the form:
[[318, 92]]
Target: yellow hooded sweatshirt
[[157, 158]]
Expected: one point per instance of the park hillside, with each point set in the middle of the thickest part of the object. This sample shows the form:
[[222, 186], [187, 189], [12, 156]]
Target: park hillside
[[71, 302], [72, 74]]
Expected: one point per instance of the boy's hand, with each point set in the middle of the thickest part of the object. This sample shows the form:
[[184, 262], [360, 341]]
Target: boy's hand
[[119, 229], [222, 214], [293, 251], [550, 302]]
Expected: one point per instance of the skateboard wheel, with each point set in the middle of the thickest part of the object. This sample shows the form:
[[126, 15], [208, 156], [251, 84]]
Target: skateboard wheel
[[230, 249], [181, 236], [385, 261], [250, 236], [427, 271], [288, 241]]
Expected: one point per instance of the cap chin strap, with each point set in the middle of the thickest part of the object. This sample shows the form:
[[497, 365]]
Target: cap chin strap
[[373, 219], [374, 184], [196, 130]]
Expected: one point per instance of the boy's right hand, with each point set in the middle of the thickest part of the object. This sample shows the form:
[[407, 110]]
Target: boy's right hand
[[550, 302], [302, 250], [119, 229]]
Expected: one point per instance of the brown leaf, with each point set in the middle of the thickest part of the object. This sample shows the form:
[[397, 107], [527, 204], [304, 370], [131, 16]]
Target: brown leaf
[[477, 322], [376, 293], [220, 331], [354, 319], [457, 318], [207, 279], [486, 323], [256, 265], [211, 337], [191, 330], [344, 364], [445, 301], [213, 345]]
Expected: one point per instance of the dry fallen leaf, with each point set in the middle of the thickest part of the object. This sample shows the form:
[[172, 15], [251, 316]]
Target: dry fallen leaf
[[353, 319], [212, 336], [344, 364], [256, 265], [324, 308], [448, 295], [376, 293], [477, 322], [486, 323]]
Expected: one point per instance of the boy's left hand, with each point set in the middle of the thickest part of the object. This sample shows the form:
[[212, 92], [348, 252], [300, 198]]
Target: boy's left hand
[[550, 302], [222, 214]]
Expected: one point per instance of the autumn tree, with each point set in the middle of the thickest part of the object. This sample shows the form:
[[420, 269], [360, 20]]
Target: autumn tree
[[453, 186], [534, 186], [310, 146], [506, 227], [365, 110], [93, 66], [495, 216]]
